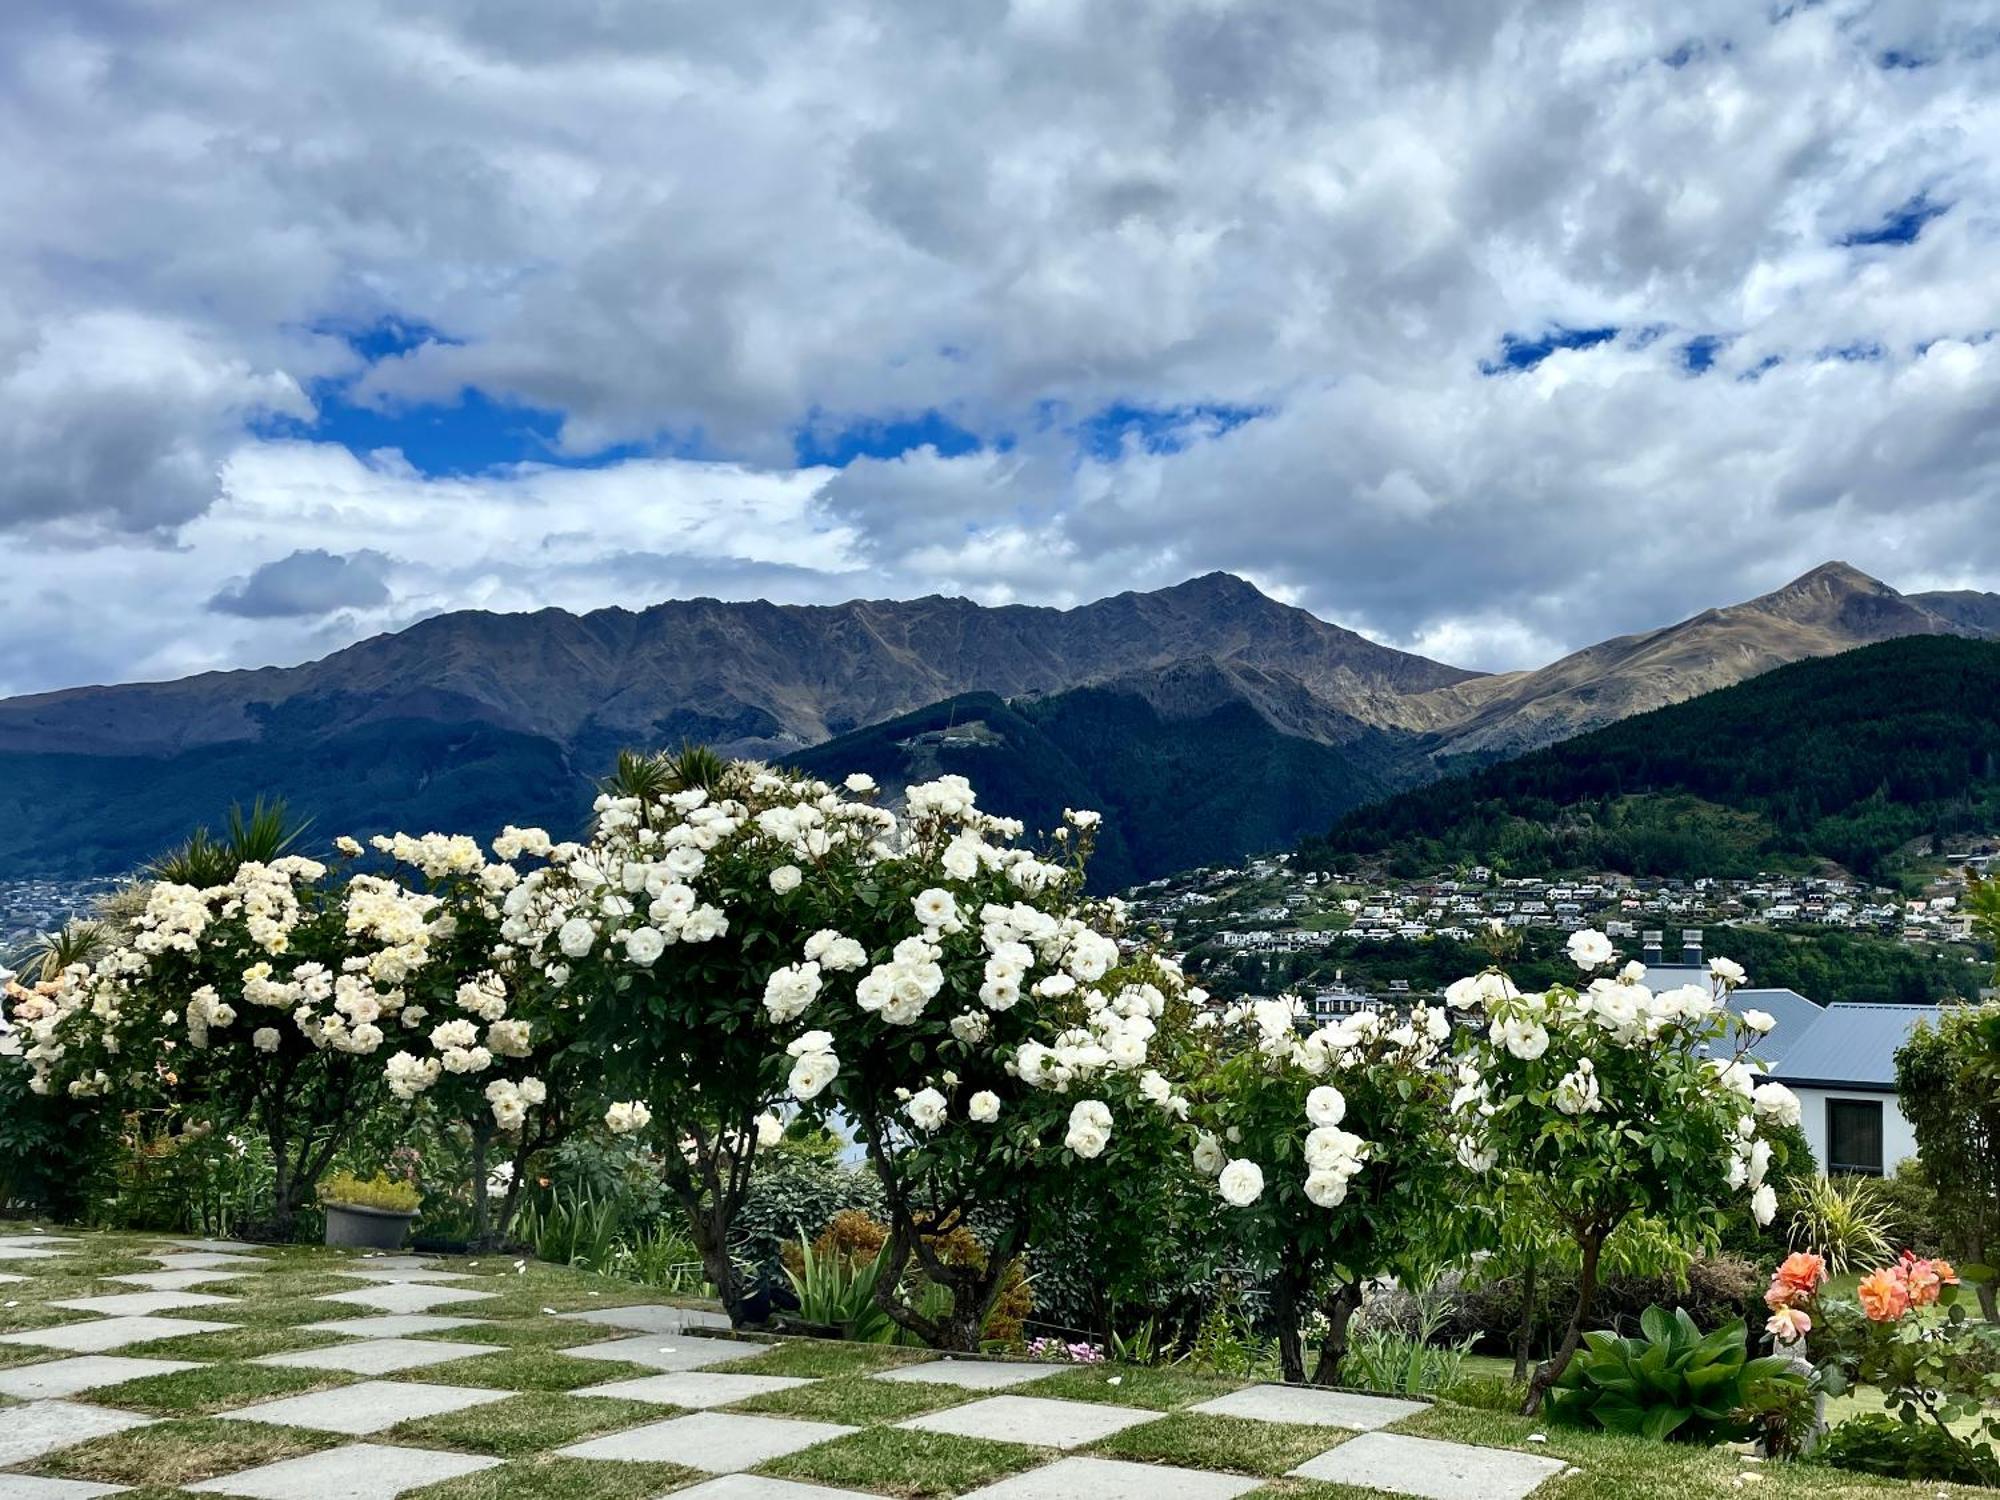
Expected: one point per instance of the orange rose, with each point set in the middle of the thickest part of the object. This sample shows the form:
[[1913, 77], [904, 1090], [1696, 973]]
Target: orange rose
[[1883, 1296], [1803, 1271]]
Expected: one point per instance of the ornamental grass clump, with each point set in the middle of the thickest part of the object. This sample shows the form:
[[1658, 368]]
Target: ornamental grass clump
[[1611, 1100], [1330, 1149]]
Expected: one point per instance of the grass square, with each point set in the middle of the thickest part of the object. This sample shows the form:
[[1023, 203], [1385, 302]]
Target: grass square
[[273, 1286], [1200, 1440], [818, 1359], [1154, 1387], [239, 1343], [896, 1461], [561, 1479], [279, 1312], [856, 1401], [183, 1452], [213, 1388], [26, 1317], [23, 1354], [512, 1333], [527, 1370], [532, 1422]]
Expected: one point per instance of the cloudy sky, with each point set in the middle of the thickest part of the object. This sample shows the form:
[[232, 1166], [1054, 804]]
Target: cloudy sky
[[1489, 329]]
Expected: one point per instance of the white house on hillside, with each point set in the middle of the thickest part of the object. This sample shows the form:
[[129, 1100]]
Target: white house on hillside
[[1839, 1059]]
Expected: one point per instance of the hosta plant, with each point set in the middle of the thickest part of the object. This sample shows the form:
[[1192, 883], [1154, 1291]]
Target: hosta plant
[[1672, 1381]]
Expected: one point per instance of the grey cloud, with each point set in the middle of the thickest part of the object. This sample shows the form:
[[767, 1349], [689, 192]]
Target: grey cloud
[[305, 584]]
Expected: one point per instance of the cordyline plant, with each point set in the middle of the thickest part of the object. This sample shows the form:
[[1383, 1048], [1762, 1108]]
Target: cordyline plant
[[262, 997], [1330, 1145], [1610, 1101]]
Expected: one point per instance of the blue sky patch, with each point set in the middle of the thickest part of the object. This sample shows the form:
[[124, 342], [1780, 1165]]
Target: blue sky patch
[[1900, 226], [1520, 351], [1698, 353], [1104, 434], [819, 440]]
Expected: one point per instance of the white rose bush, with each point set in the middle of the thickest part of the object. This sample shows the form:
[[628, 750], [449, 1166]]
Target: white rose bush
[[270, 996], [1607, 1100], [1329, 1147], [1003, 1059]]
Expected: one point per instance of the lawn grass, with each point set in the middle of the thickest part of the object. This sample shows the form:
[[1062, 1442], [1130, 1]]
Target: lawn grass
[[816, 1359], [527, 1370], [519, 1333], [183, 1452], [239, 1343], [24, 1354], [532, 1422], [1200, 1440], [213, 1388], [857, 1401], [898, 1461], [562, 1479], [1155, 1387]]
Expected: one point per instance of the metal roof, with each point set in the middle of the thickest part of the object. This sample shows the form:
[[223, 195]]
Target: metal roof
[[1853, 1045]]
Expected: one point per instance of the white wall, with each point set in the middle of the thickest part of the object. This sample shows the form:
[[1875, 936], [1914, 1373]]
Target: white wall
[[1899, 1141]]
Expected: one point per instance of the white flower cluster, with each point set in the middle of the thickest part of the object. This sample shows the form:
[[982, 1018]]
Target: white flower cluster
[[1277, 1031], [1613, 1014]]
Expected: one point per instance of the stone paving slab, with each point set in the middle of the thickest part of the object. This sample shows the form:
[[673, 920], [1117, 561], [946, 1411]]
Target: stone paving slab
[[648, 1318], [395, 1325], [1430, 1468], [15, 1240], [749, 1487], [173, 1281], [1311, 1406], [33, 1487], [404, 1298], [399, 1275], [44, 1426], [140, 1304], [210, 1260], [1035, 1420], [66, 1377], [392, 1262], [9, 1276], [360, 1471], [28, 1252], [717, 1441], [680, 1354], [1115, 1479], [697, 1390], [369, 1407], [216, 1247], [377, 1356], [968, 1374], [110, 1333]]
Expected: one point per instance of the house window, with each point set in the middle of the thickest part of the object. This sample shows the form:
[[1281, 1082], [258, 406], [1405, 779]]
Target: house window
[[1854, 1136]]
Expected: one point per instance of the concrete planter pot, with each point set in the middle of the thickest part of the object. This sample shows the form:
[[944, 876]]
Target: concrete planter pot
[[354, 1226]]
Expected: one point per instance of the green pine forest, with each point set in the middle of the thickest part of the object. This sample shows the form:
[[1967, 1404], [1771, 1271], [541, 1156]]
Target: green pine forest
[[1850, 761]]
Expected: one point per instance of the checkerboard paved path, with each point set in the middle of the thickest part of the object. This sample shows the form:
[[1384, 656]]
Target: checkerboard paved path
[[383, 1378]]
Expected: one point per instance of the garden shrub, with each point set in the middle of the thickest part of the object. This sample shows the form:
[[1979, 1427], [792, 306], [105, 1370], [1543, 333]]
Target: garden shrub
[[1877, 1443], [380, 1191], [796, 1194], [1714, 1289]]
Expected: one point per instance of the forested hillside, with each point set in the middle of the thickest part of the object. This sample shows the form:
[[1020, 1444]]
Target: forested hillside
[[1843, 759]]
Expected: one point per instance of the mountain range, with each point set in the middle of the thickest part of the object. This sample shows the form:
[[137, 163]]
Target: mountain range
[[1241, 720]]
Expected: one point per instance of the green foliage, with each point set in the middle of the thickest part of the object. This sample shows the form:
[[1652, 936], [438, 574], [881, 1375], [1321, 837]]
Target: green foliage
[[795, 1192], [50, 1146], [1877, 1443], [573, 1226], [1669, 1382], [1948, 1083], [202, 860], [1846, 1221], [838, 1291], [1413, 1363], [346, 1190], [1845, 758]]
